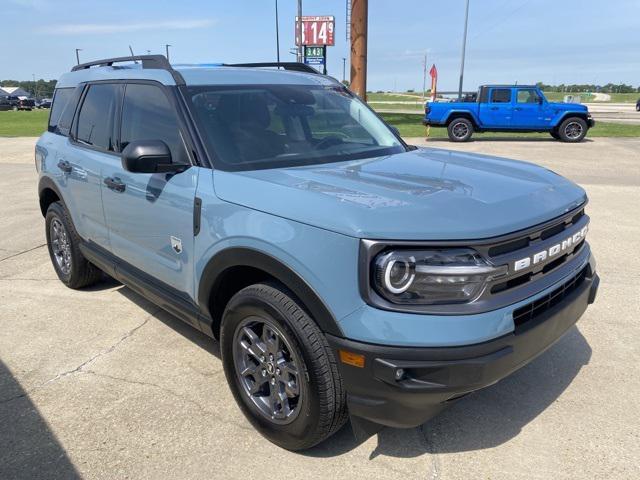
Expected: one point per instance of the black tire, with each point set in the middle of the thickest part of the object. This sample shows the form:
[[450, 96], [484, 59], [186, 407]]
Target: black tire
[[78, 272], [554, 134], [460, 130], [321, 405], [572, 130], [638, 108]]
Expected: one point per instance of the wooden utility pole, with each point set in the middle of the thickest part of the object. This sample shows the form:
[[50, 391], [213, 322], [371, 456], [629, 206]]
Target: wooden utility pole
[[359, 21]]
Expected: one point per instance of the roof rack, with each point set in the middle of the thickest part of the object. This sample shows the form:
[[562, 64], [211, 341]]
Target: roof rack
[[148, 61], [158, 62], [293, 66]]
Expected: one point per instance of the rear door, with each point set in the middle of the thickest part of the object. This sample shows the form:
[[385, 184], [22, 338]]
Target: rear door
[[150, 216], [528, 110], [497, 111], [90, 148]]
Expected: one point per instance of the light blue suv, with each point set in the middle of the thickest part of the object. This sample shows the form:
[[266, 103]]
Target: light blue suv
[[344, 272]]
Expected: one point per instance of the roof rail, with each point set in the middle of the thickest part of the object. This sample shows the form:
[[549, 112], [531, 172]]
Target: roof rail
[[294, 66], [148, 61], [159, 62]]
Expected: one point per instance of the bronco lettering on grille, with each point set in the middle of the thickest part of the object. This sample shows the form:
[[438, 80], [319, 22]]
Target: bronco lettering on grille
[[550, 252]]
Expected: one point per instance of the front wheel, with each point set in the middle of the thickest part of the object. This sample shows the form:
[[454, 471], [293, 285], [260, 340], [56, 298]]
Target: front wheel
[[572, 130], [460, 130], [280, 368]]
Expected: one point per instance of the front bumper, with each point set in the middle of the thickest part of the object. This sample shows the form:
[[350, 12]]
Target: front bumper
[[433, 377], [591, 122]]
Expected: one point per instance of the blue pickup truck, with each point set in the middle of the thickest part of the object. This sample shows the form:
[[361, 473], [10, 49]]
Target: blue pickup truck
[[510, 108]]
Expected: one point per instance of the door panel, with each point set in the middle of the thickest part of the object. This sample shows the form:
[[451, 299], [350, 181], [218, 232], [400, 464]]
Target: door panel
[[528, 112], [150, 216], [497, 111], [86, 153]]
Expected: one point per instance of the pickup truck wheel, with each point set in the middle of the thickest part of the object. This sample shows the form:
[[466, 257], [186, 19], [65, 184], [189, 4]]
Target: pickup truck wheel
[[572, 130], [460, 130], [63, 243], [280, 368]]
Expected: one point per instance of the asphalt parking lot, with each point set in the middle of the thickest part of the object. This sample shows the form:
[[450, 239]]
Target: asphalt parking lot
[[102, 384]]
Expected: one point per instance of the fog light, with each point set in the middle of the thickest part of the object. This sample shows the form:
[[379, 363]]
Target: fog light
[[399, 373]]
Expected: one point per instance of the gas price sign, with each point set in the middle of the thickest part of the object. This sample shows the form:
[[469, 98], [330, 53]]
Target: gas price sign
[[316, 31]]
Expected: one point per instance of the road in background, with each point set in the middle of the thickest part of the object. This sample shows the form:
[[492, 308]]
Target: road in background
[[101, 383]]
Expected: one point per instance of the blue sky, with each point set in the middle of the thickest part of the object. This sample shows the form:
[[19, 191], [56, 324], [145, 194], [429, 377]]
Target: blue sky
[[554, 41]]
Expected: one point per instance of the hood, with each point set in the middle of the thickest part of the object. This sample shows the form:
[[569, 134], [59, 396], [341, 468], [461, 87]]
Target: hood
[[565, 107], [425, 194]]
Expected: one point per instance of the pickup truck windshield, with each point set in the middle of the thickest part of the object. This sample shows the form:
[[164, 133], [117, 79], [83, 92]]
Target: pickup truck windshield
[[251, 127]]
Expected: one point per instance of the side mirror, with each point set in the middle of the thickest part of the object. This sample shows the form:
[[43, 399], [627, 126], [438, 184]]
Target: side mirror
[[148, 156]]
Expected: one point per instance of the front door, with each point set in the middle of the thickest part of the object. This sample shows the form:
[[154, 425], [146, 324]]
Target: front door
[[528, 111], [150, 216], [497, 111]]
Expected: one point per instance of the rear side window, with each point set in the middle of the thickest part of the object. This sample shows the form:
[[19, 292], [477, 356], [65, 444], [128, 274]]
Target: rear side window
[[148, 115], [60, 100], [501, 95], [95, 119]]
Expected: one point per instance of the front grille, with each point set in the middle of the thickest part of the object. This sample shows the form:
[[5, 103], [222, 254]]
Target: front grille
[[533, 310], [523, 242]]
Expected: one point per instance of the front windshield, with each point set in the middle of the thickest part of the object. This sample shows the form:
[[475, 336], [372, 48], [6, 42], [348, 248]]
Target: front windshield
[[251, 127]]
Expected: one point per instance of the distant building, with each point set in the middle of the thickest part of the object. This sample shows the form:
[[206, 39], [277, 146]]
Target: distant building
[[15, 91]]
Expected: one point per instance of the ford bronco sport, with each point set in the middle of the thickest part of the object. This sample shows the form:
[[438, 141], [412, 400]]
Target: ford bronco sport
[[345, 273]]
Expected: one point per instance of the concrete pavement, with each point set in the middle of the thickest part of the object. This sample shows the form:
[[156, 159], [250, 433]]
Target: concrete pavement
[[100, 383]]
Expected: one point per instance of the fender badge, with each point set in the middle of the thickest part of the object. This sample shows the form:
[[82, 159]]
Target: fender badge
[[176, 244]]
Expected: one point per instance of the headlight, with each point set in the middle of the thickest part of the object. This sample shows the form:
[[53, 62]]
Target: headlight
[[430, 277]]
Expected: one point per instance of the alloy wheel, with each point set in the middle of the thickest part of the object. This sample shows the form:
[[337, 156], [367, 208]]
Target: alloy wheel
[[268, 369], [573, 130], [460, 130], [60, 246]]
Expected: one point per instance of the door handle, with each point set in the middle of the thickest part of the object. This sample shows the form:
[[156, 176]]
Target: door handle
[[65, 166], [114, 184], [494, 108], [517, 109]]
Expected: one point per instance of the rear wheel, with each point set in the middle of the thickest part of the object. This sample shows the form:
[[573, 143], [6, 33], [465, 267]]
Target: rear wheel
[[572, 130], [280, 368], [460, 130], [63, 243]]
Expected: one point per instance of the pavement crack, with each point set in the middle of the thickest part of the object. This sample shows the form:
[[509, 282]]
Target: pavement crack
[[22, 252], [80, 368], [436, 472]]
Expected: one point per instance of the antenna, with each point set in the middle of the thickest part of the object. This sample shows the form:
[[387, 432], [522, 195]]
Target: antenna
[[132, 54]]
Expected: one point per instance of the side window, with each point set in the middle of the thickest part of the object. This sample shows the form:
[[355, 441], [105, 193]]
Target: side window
[[528, 95], [501, 95], [60, 99], [148, 115], [95, 120]]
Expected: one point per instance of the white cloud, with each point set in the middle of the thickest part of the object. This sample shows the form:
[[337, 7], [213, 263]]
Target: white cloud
[[105, 28]]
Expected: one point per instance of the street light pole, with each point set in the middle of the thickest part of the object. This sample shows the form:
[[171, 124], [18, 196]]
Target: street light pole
[[464, 46], [277, 35], [166, 47], [35, 86], [344, 66], [299, 32], [78, 55]]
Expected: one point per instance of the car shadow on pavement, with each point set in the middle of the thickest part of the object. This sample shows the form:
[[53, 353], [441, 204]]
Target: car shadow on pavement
[[190, 333], [28, 448], [485, 419]]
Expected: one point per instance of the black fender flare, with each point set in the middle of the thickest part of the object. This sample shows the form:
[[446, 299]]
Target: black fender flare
[[249, 257], [47, 183]]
